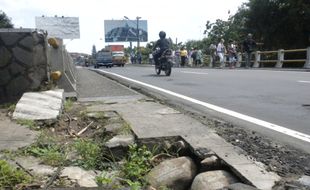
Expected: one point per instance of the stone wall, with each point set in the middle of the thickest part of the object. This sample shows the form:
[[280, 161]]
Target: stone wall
[[23, 62]]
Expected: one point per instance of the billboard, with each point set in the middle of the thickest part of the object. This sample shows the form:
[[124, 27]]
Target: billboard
[[125, 30], [60, 27]]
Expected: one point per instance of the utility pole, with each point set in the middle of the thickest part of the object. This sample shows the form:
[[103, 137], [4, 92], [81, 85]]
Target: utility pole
[[138, 34]]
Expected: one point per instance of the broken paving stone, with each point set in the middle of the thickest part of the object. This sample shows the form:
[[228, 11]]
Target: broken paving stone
[[82, 177], [114, 128], [33, 165], [120, 140]]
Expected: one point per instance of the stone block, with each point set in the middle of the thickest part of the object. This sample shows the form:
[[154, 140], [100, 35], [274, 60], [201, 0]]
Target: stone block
[[38, 38], [5, 56], [23, 56], [39, 56], [16, 68], [175, 174], [4, 76], [27, 42], [10, 38], [213, 180], [17, 86]]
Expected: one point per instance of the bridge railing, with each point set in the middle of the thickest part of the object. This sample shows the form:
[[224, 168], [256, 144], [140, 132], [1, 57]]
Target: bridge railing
[[259, 60]]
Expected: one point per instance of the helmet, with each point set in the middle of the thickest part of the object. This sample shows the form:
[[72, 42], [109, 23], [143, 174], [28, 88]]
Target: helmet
[[162, 34]]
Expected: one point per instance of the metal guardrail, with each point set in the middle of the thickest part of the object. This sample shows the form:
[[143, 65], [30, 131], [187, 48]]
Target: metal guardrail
[[258, 62]]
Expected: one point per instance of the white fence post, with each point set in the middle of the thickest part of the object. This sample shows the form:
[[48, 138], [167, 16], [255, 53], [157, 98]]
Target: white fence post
[[257, 59], [307, 64], [239, 59], [280, 58]]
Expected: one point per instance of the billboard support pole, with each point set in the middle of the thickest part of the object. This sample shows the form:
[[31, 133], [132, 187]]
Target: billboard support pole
[[138, 35]]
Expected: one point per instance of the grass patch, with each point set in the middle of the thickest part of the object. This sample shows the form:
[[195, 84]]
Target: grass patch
[[10, 107], [10, 177], [27, 122], [89, 153], [68, 104], [47, 149], [126, 129]]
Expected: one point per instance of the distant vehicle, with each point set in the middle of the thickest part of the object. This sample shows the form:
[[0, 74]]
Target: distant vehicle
[[118, 58], [118, 55], [103, 58]]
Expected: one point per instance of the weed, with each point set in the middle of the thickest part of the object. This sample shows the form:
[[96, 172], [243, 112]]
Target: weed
[[126, 129], [10, 177], [68, 104], [47, 149], [27, 122], [138, 163], [107, 180], [89, 153], [8, 106], [134, 185]]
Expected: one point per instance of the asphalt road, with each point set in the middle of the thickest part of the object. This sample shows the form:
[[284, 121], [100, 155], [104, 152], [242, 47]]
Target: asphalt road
[[250, 98]]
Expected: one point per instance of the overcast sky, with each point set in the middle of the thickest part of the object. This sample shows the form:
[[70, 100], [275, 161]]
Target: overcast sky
[[180, 19]]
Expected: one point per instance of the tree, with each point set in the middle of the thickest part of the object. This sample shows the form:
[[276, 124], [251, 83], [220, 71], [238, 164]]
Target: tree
[[279, 23], [5, 21]]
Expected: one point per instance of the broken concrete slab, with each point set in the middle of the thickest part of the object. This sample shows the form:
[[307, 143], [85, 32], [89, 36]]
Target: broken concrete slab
[[45, 105], [83, 178], [14, 136]]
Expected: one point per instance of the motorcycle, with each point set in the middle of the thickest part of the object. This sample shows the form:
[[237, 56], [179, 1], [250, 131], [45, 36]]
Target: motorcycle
[[165, 63]]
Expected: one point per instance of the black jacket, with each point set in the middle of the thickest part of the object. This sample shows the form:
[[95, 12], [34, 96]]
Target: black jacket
[[249, 45], [163, 44]]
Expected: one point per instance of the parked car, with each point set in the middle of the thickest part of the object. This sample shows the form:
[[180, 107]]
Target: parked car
[[103, 59], [118, 58]]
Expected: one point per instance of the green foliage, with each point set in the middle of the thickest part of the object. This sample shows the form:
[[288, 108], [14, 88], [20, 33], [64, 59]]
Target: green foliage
[[47, 149], [68, 104], [138, 163], [5, 21], [279, 23], [89, 153], [104, 179], [126, 129], [28, 123], [134, 185], [10, 177]]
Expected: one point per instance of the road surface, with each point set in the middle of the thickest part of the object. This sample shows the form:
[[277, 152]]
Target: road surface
[[274, 103]]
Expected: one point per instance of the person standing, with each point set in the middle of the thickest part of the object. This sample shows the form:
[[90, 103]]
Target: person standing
[[183, 54], [248, 47], [221, 50], [198, 57], [232, 54], [213, 54]]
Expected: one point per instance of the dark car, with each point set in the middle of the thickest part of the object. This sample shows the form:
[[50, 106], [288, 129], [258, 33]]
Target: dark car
[[103, 59]]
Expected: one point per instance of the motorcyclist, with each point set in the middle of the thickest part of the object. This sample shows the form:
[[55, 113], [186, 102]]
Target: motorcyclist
[[163, 44]]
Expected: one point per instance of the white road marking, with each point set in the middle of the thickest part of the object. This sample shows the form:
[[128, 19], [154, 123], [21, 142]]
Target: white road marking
[[244, 117], [190, 72], [304, 81]]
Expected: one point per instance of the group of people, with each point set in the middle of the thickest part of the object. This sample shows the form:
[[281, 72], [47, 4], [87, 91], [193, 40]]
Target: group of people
[[221, 50], [248, 46]]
